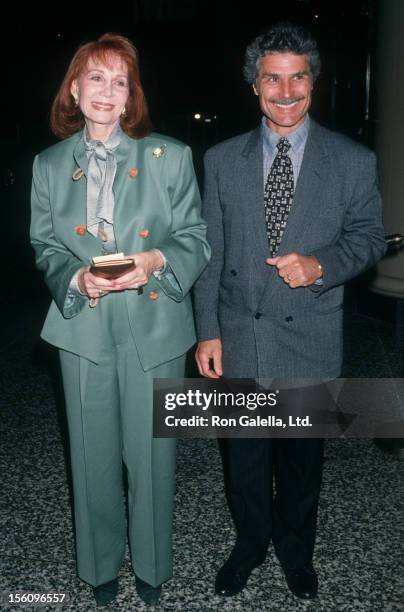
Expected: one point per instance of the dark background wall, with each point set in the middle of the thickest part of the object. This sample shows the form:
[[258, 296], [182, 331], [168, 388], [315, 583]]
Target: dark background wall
[[191, 56]]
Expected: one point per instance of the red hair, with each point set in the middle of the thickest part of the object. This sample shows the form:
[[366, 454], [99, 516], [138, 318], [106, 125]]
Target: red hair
[[66, 118]]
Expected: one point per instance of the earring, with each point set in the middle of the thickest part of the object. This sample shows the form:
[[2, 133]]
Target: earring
[[123, 113], [76, 100]]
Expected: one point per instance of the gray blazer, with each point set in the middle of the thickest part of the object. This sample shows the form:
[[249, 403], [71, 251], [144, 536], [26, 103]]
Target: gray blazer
[[267, 328]]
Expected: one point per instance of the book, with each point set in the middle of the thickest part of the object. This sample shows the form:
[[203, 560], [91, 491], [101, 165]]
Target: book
[[111, 266]]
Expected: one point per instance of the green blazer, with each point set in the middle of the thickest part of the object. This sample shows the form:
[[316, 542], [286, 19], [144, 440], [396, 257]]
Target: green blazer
[[157, 205]]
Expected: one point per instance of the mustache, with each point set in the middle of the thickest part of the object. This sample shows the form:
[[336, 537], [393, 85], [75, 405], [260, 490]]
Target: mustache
[[286, 101]]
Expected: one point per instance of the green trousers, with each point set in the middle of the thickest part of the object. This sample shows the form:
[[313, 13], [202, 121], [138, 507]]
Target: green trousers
[[110, 419]]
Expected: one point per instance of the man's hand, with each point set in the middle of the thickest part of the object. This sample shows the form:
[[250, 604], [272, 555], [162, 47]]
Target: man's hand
[[297, 270], [206, 351]]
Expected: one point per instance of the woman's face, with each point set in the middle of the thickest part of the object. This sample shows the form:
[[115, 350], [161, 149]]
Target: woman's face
[[101, 92]]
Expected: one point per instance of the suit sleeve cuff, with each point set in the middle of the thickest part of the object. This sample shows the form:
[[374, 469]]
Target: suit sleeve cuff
[[159, 273], [74, 297]]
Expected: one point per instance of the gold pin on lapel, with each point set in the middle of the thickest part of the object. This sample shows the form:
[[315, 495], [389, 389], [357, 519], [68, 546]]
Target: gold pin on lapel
[[133, 172], [77, 174], [159, 151]]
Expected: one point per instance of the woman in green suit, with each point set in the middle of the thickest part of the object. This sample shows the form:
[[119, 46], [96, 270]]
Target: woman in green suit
[[112, 186]]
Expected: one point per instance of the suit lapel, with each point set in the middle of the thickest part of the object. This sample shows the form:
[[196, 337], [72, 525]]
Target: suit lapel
[[76, 204], [255, 214], [127, 191], [79, 154], [307, 198]]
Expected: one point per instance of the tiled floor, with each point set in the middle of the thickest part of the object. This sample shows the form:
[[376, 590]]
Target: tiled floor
[[359, 553]]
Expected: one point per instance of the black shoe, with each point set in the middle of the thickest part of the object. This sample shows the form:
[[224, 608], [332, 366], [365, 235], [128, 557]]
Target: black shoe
[[230, 580], [105, 593], [148, 593], [302, 581]]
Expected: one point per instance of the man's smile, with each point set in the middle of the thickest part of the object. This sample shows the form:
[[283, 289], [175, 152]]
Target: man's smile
[[288, 103]]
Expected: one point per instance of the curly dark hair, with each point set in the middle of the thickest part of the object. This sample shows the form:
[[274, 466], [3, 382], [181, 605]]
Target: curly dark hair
[[284, 37]]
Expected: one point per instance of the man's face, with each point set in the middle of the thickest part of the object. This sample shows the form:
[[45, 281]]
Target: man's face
[[284, 85]]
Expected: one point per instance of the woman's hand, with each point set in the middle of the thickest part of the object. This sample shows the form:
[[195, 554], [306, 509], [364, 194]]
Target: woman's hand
[[146, 263], [92, 286]]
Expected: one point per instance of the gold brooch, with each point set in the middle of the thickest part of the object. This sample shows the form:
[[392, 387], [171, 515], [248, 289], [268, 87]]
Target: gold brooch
[[159, 151]]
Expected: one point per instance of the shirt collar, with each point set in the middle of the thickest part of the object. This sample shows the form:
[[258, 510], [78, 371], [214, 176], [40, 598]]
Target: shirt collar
[[297, 138]]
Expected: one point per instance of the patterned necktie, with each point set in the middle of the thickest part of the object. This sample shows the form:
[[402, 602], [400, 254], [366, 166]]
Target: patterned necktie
[[278, 195]]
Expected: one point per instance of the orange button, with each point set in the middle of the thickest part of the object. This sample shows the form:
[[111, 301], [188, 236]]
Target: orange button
[[144, 233], [153, 295], [133, 172], [80, 229]]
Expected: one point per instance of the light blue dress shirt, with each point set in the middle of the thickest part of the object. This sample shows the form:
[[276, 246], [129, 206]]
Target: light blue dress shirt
[[297, 140]]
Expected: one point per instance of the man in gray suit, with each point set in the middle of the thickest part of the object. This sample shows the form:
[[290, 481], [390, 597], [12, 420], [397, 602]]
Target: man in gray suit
[[293, 212]]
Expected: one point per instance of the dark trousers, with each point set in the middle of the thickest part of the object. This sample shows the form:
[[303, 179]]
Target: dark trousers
[[288, 514]]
